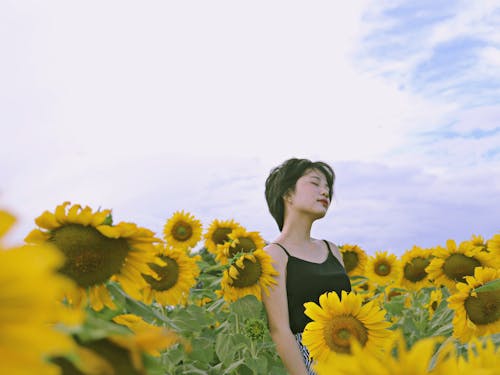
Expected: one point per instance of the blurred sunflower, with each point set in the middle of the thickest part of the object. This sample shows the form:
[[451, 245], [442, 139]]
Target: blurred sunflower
[[415, 361], [122, 354], [249, 274], [182, 230], [478, 242], [150, 338], [482, 357], [414, 263], [451, 264], [354, 258], [338, 320], [29, 307], [175, 279], [476, 313], [493, 245], [435, 298], [96, 252], [383, 268], [218, 233], [240, 240]]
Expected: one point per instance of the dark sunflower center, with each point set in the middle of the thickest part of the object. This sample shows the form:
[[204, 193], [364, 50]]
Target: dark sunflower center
[[339, 331], [414, 270], [182, 231], [91, 258], [249, 275], [351, 260], [168, 274], [382, 268], [245, 245], [115, 355], [434, 305], [485, 308], [457, 266], [219, 235]]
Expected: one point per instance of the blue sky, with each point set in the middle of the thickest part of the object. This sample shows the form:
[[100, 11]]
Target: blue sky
[[152, 108]]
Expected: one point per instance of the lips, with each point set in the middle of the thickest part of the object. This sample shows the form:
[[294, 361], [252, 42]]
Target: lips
[[324, 201]]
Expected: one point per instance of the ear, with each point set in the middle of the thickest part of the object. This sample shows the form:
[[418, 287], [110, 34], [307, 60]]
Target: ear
[[287, 197]]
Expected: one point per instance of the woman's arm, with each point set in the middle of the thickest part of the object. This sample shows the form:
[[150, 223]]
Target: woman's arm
[[276, 305]]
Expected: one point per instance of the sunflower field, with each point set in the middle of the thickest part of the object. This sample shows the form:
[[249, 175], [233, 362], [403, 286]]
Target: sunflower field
[[84, 295]]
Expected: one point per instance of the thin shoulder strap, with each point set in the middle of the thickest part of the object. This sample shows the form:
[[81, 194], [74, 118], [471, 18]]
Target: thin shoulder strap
[[282, 248], [327, 244]]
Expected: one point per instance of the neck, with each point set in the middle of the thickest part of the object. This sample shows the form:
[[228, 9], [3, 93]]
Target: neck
[[296, 230]]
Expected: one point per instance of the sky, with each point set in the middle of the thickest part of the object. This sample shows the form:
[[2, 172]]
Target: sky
[[148, 108]]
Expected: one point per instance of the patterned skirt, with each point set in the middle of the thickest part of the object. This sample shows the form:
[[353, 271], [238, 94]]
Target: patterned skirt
[[305, 354]]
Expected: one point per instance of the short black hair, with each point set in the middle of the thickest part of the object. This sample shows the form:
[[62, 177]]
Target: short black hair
[[283, 179]]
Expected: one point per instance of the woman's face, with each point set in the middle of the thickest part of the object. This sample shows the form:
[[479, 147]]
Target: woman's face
[[311, 194]]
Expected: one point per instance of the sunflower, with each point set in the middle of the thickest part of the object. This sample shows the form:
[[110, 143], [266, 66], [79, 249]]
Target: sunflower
[[383, 268], [175, 279], [150, 338], [478, 242], [338, 320], [451, 264], [218, 233], [366, 289], [414, 262], [96, 251], [240, 241], [31, 289], [482, 357], [414, 361], [435, 298], [361, 284], [182, 230], [493, 245], [476, 314], [249, 274], [354, 259], [112, 355]]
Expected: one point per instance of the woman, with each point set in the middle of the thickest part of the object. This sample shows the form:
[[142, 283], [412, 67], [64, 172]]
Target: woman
[[298, 192]]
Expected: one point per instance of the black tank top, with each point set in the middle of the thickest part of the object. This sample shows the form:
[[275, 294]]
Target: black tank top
[[306, 281]]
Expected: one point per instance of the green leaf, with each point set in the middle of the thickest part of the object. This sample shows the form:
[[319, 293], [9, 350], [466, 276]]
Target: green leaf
[[203, 350], [224, 348], [174, 355], [235, 365], [239, 340], [258, 365], [444, 330], [396, 305], [248, 306], [489, 286]]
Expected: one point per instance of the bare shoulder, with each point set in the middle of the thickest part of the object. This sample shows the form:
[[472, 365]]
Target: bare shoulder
[[276, 252], [336, 252]]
